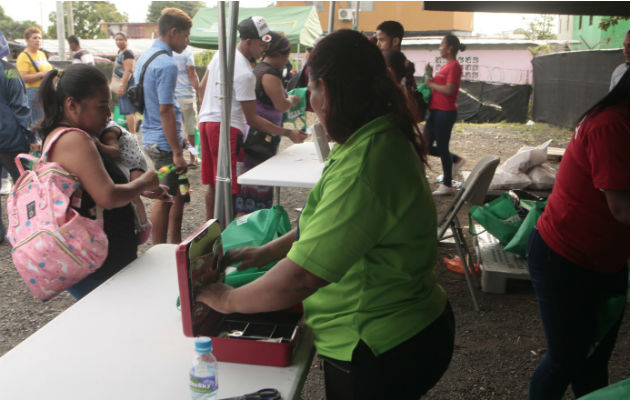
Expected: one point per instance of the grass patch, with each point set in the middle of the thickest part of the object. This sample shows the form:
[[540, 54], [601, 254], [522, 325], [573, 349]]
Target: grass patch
[[537, 133]]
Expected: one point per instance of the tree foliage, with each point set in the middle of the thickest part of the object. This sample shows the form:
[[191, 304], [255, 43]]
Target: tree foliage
[[608, 22], [189, 7], [539, 28], [88, 16], [14, 29]]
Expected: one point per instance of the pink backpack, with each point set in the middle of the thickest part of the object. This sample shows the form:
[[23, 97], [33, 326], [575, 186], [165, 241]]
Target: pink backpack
[[53, 246]]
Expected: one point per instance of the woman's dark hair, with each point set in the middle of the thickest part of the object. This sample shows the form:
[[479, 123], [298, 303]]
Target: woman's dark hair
[[358, 87], [618, 95], [453, 41], [78, 81], [397, 61], [123, 34]]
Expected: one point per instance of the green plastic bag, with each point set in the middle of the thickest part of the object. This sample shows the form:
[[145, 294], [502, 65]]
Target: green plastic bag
[[297, 113], [518, 244], [617, 391], [499, 217], [254, 229]]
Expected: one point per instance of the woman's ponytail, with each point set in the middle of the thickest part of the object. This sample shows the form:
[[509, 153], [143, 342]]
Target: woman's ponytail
[[50, 100]]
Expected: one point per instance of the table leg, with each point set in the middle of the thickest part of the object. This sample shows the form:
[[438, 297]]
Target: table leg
[[276, 190]]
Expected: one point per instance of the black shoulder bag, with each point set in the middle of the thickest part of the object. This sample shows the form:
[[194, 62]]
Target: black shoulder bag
[[32, 62], [136, 92]]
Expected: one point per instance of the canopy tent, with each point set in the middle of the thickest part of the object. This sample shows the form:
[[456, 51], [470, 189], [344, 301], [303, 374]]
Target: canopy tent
[[300, 24]]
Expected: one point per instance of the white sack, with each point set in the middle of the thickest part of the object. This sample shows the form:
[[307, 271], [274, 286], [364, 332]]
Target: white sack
[[504, 180], [542, 176]]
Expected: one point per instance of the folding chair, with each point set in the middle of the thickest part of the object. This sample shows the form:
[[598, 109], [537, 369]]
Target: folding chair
[[473, 192]]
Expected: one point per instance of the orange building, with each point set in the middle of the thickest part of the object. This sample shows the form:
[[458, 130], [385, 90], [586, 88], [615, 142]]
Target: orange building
[[410, 14]]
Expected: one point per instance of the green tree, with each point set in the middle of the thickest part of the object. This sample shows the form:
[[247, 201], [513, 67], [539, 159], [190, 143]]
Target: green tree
[[539, 28], [189, 7], [88, 16], [14, 29], [607, 22]]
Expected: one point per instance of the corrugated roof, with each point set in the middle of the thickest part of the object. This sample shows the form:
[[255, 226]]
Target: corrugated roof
[[435, 41]]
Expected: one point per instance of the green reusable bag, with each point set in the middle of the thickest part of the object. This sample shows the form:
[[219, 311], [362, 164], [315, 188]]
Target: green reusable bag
[[254, 229], [617, 391], [518, 244], [499, 217], [297, 113]]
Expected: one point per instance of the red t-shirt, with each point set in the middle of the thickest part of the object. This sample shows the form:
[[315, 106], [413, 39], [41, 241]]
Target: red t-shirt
[[450, 72], [577, 223]]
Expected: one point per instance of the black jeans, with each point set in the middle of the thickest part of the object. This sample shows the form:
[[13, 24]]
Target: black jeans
[[570, 300], [439, 126], [407, 371]]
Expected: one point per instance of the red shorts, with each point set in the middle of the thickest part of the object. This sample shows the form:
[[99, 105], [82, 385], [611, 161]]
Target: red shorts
[[209, 138]]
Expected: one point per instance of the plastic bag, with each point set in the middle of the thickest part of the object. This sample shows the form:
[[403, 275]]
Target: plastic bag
[[518, 243], [504, 180], [254, 229], [499, 218], [542, 177], [297, 113], [526, 158]]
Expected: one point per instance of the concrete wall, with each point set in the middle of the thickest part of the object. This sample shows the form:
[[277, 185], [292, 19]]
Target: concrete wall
[[500, 65]]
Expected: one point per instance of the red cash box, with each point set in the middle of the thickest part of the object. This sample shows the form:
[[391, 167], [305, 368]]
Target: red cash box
[[262, 339]]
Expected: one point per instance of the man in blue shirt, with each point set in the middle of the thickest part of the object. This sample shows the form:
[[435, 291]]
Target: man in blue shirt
[[162, 119]]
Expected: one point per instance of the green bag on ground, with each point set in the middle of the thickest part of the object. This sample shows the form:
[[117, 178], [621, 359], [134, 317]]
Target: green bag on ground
[[617, 391], [499, 217], [518, 244], [254, 229], [297, 113]]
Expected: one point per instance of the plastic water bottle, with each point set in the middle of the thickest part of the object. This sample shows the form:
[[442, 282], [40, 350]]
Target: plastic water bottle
[[204, 381]]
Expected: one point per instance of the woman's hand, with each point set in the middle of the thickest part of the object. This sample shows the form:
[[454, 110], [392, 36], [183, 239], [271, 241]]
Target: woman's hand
[[159, 193], [249, 257], [215, 296], [296, 135], [294, 100], [121, 90]]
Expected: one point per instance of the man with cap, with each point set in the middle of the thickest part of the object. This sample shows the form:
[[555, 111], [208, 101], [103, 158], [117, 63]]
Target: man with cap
[[254, 38]]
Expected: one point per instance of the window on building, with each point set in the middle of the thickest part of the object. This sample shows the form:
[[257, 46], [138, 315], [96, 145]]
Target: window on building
[[580, 23], [319, 5], [590, 20], [363, 5]]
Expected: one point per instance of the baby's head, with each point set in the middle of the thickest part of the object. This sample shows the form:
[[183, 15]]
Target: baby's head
[[78, 96]]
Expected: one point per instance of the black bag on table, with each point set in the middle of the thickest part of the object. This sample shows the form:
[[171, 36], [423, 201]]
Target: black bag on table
[[261, 145]]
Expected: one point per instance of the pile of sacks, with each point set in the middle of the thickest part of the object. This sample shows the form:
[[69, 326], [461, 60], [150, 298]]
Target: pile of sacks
[[525, 170]]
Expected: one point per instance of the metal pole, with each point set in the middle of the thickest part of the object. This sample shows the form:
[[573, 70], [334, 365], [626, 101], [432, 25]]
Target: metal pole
[[356, 16], [223, 194], [70, 18], [61, 32], [331, 17]]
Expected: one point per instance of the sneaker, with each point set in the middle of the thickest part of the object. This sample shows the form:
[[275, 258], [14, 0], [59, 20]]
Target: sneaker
[[457, 165], [444, 190]]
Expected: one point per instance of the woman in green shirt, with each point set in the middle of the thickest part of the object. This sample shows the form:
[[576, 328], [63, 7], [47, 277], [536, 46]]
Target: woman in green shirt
[[362, 257]]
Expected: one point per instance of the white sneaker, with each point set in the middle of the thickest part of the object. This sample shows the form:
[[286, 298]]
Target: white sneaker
[[457, 165], [444, 190]]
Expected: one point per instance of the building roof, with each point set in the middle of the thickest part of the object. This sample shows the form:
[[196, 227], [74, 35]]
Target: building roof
[[469, 41]]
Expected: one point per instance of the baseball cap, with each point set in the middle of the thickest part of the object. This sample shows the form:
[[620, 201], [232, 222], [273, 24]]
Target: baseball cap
[[254, 28]]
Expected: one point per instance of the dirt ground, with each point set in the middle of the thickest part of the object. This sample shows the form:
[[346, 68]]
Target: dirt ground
[[496, 349]]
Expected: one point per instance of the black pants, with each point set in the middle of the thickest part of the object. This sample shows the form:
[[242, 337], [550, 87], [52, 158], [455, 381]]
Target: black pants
[[407, 371]]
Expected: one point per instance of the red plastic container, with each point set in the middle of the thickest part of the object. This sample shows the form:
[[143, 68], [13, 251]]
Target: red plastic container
[[263, 339]]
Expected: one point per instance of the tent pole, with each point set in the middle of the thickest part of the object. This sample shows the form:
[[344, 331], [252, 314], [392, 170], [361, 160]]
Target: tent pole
[[356, 16], [223, 186], [331, 16]]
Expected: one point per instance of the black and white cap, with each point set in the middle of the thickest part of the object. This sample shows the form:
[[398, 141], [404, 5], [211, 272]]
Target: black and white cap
[[254, 28]]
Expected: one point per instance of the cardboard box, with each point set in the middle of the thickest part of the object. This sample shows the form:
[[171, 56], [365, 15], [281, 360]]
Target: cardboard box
[[263, 339]]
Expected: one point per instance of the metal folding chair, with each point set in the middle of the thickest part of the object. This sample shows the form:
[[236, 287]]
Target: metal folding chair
[[473, 192]]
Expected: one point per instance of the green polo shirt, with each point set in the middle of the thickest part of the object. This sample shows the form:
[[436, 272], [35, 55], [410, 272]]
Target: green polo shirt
[[369, 228]]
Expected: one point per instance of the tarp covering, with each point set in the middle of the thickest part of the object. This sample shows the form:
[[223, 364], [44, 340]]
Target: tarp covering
[[491, 102], [567, 84], [299, 24]]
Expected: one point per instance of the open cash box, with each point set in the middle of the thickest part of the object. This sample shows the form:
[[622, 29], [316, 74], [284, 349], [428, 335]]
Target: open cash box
[[263, 339]]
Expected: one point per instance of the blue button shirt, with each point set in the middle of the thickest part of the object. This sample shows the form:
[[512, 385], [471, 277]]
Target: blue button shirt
[[159, 83]]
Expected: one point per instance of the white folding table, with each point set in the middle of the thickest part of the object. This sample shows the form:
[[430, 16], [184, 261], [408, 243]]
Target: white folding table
[[296, 166], [124, 341]]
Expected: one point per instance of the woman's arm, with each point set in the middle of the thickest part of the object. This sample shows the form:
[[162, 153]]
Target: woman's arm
[[274, 90], [449, 89], [283, 286], [30, 78], [128, 65], [78, 155], [619, 205], [254, 257]]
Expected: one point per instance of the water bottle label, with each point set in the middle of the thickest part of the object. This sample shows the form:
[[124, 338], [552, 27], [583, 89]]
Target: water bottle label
[[206, 384]]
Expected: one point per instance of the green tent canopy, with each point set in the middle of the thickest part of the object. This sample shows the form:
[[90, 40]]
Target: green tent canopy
[[300, 24]]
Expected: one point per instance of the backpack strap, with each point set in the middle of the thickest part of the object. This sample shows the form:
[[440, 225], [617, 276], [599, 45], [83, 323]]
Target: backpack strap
[[146, 64], [54, 139], [32, 62]]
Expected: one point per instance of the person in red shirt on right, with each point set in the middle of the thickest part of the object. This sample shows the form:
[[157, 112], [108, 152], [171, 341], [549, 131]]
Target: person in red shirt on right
[[443, 111], [577, 254]]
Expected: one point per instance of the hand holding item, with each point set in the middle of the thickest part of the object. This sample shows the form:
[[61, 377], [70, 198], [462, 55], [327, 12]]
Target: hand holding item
[[296, 135], [159, 193], [215, 296], [294, 100], [249, 257]]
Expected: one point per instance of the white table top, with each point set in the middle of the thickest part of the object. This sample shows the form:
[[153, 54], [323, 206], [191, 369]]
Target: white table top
[[296, 166], [125, 341]]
